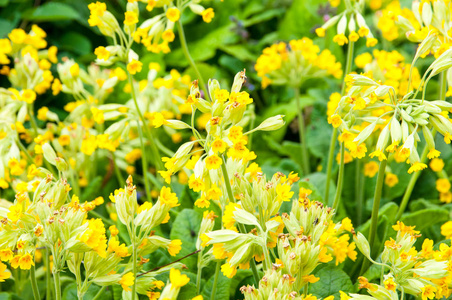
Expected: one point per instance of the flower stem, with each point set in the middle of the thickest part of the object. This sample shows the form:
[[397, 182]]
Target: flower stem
[[34, 284], [375, 209], [302, 133], [49, 295], [412, 183], [241, 227], [215, 280], [184, 45], [99, 293], [340, 179], [347, 70], [199, 273], [134, 261], [144, 164], [56, 279], [359, 190], [143, 149]]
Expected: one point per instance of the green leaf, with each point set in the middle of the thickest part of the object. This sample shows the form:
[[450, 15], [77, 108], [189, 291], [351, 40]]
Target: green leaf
[[5, 27], [76, 43], [222, 290], [265, 16], [425, 218], [52, 11], [70, 292], [239, 51], [185, 228], [188, 291], [332, 280], [4, 2]]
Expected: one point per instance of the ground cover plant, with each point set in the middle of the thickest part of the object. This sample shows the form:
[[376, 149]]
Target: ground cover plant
[[199, 149]]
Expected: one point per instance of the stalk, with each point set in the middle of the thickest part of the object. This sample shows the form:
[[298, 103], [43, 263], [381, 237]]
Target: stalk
[[184, 45], [199, 273], [215, 280], [411, 184], [143, 149], [359, 189], [302, 133], [154, 150], [241, 227], [144, 163], [134, 261], [415, 175], [340, 179], [99, 293], [348, 68], [56, 279], [48, 276], [34, 284], [375, 209]]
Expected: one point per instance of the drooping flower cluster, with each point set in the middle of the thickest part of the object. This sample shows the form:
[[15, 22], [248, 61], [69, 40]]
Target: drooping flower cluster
[[294, 62]]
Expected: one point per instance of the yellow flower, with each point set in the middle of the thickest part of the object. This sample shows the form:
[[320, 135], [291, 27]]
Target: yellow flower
[[310, 278], [177, 279], [6, 254], [174, 247], [167, 197], [15, 212], [168, 35], [370, 169], [340, 39], [379, 154], [353, 36], [102, 53], [3, 273], [363, 59], [74, 70], [127, 280], [446, 230], [391, 180], [417, 166], [207, 15], [173, 14], [218, 146], [28, 96], [436, 164], [335, 120], [389, 283], [213, 162], [113, 230], [130, 18], [428, 292], [442, 185], [320, 32], [433, 153], [26, 261], [134, 67], [283, 192], [228, 270]]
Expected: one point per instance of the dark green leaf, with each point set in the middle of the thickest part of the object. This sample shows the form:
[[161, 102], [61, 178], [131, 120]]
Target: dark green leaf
[[52, 11], [332, 280]]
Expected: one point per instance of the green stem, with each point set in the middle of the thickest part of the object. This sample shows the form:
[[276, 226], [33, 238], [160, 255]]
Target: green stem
[[99, 293], [144, 164], [184, 45], [412, 183], [98, 215], [22, 147], [215, 280], [443, 85], [56, 279], [153, 147], [117, 171], [48, 276], [340, 179], [241, 227], [199, 273], [329, 167], [347, 70], [34, 284], [134, 261], [359, 184], [375, 209], [302, 133]]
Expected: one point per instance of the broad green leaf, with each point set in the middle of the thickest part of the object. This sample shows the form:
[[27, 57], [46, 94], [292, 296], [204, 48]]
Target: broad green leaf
[[70, 292], [5, 27], [188, 291], [332, 280], [92, 189], [76, 43], [222, 289], [317, 181], [51, 12], [185, 228], [425, 218], [239, 51]]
